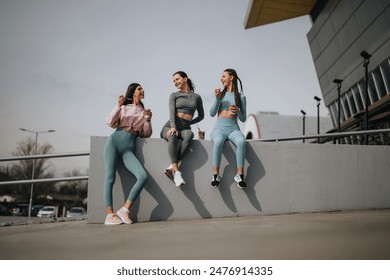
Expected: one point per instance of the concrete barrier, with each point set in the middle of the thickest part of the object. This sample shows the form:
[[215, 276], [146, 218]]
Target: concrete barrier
[[281, 178]]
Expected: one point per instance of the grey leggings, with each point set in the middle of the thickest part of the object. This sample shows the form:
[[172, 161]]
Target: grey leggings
[[176, 152], [122, 144]]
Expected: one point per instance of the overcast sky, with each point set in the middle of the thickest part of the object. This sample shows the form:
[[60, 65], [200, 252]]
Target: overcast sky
[[64, 63]]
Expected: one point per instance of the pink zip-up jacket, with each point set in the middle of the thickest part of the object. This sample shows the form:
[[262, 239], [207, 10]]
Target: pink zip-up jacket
[[130, 116]]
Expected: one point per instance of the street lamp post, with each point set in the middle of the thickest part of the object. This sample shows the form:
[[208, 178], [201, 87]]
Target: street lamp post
[[33, 167], [303, 121], [338, 82], [366, 57], [318, 115]]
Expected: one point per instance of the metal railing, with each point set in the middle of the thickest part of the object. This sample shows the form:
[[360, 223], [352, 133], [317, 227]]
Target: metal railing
[[328, 135], [77, 178], [45, 180]]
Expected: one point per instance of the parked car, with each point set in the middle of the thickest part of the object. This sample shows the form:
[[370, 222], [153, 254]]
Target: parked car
[[47, 212], [35, 209], [3, 210], [20, 210], [76, 212]]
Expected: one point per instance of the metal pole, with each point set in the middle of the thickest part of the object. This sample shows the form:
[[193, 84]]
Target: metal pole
[[304, 117], [366, 57], [339, 109], [303, 123], [34, 164], [366, 89], [33, 175], [338, 82], [318, 118], [318, 115]]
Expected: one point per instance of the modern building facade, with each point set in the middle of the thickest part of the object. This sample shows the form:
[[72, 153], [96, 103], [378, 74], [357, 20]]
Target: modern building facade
[[349, 40]]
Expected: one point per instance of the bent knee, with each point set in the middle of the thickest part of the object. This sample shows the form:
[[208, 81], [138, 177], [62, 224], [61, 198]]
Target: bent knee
[[142, 176], [241, 142], [187, 134]]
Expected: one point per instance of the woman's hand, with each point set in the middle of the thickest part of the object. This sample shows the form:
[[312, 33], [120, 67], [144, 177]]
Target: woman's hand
[[147, 114], [233, 109], [172, 131], [121, 100], [217, 92]]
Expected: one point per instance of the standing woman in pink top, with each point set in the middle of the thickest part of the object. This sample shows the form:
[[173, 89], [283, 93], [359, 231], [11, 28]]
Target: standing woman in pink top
[[130, 120]]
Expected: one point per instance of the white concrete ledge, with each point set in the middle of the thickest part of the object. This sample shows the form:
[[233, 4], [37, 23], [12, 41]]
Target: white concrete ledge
[[281, 178]]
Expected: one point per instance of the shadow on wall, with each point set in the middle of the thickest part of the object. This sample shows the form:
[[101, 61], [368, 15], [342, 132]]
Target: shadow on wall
[[281, 178], [254, 172], [194, 165], [194, 160], [164, 208]]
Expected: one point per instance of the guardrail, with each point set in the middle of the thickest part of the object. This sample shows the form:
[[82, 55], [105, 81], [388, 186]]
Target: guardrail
[[44, 156], [45, 180], [328, 135], [77, 178]]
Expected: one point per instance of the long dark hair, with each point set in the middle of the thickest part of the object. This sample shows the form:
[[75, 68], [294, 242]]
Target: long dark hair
[[189, 82], [236, 79], [130, 93]]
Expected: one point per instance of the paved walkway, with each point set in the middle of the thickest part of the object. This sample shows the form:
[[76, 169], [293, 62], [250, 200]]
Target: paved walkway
[[336, 235]]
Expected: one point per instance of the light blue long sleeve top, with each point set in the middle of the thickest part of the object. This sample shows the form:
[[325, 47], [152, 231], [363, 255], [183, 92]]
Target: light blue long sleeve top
[[223, 104]]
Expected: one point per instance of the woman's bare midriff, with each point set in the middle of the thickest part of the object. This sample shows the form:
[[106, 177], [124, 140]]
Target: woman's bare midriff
[[185, 116], [226, 114]]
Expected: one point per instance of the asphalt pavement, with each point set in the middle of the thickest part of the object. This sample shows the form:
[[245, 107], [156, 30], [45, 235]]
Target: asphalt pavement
[[344, 235]]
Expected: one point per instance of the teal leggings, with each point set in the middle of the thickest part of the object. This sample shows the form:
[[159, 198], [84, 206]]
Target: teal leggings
[[228, 129], [122, 144]]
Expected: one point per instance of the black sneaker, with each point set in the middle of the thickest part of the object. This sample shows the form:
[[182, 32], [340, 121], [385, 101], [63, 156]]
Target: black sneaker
[[215, 181], [239, 178]]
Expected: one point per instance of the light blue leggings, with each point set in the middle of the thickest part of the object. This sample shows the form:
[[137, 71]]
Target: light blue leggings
[[228, 129], [121, 143]]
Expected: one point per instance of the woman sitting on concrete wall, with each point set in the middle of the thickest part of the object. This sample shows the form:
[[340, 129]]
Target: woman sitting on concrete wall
[[182, 107], [229, 103]]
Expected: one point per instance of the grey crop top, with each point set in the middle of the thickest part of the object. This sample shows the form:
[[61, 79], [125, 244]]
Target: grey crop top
[[187, 103]]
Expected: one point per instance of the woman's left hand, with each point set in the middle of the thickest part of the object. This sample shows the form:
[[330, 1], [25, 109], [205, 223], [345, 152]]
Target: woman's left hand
[[233, 109], [172, 131]]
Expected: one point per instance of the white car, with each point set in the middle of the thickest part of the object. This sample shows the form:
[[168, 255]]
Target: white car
[[47, 212], [76, 212]]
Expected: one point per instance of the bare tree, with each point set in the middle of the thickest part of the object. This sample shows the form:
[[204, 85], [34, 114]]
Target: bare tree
[[22, 170], [5, 176]]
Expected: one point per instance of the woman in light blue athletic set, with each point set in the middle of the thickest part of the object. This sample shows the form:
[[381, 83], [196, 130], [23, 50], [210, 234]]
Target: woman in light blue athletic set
[[229, 104], [130, 120], [182, 107]]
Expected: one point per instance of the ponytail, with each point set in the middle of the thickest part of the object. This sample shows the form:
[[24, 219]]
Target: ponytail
[[237, 93], [189, 82]]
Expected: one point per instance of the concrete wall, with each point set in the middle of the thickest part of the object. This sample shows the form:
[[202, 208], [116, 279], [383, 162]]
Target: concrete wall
[[281, 178]]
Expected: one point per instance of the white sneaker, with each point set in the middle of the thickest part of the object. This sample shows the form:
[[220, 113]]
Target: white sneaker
[[178, 179], [112, 219], [240, 181], [124, 215], [215, 181]]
